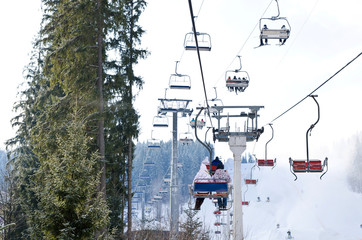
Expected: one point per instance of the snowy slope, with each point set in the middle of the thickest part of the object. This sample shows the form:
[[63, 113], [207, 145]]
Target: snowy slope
[[309, 207]]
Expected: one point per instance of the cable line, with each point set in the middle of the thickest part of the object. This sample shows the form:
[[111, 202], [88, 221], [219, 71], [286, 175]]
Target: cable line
[[199, 57], [183, 51], [318, 87], [247, 39], [202, 3]]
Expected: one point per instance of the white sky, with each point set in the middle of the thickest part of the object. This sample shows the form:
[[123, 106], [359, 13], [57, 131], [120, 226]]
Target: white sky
[[325, 36], [19, 23]]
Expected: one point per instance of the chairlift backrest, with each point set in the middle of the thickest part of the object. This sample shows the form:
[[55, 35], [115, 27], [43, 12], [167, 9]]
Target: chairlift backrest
[[186, 137], [179, 81], [153, 143], [203, 40], [160, 121]]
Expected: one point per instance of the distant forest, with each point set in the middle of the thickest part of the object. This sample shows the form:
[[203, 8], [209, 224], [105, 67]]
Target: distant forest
[[189, 159]]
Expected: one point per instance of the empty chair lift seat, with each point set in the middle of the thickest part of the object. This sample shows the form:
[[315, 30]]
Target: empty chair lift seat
[[266, 163], [315, 166], [251, 181], [302, 166]]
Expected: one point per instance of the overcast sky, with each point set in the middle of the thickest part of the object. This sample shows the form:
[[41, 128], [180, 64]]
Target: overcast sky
[[19, 21], [325, 35]]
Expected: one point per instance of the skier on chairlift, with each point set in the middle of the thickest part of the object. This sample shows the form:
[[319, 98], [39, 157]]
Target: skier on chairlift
[[266, 39], [282, 41], [221, 175], [215, 163], [202, 176]]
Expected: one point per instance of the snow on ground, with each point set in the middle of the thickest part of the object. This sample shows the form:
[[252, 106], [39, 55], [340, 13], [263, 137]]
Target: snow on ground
[[310, 208]]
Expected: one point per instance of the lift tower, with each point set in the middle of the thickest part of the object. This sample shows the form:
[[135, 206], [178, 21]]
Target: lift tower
[[237, 143], [174, 106]]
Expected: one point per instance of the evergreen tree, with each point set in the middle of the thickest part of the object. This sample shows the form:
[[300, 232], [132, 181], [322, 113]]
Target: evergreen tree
[[72, 74], [123, 118], [71, 207], [23, 163], [192, 227]]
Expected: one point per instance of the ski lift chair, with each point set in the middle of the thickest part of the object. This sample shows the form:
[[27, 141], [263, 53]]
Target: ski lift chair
[[160, 121], [280, 28], [167, 180], [149, 163], [157, 197], [186, 138], [281, 34], [153, 142], [213, 104], [163, 190], [203, 40], [237, 80], [179, 81], [179, 164], [315, 165], [210, 189], [217, 212], [199, 124], [251, 181], [267, 162]]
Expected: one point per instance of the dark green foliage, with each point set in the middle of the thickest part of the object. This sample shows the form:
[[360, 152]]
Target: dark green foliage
[[54, 152], [71, 207], [191, 228], [23, 162]]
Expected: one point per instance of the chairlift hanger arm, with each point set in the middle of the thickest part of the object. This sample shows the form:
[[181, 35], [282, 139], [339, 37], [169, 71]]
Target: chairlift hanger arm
[[239, 64], [325, 164], [176, 67], [205, 145], [266, 145], [312, 126], [275, 17]]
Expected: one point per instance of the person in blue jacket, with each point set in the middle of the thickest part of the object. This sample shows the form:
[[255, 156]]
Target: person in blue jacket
[[215, 163]]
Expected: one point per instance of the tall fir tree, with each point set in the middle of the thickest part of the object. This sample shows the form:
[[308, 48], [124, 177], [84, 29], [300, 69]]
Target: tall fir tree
[[74, 75], [123, 121], [71, 207]]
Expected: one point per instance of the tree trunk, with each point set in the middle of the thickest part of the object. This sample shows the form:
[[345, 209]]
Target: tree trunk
[[129, 180], [100, 137], [130, 143]]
